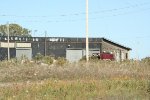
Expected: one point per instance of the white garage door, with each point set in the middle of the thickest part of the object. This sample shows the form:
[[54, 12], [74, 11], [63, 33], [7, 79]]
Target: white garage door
[[74, 55], [24, 52]]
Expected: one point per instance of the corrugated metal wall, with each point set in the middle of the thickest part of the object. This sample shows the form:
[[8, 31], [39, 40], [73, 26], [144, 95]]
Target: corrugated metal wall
[[58, 49], [4, 53]]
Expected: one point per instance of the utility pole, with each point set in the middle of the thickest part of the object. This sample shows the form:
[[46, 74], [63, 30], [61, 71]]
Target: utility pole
[[87, 29], [45, 42], [8, 41]]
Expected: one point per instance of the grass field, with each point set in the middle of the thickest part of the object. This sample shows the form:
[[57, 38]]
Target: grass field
[[96, 80]]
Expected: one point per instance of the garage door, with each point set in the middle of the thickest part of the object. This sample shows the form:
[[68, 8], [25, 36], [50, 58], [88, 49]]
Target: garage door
[[74, 55], [24, 52]]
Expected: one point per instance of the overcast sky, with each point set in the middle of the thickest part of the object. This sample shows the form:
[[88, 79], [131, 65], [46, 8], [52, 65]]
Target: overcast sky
[[126, 22]]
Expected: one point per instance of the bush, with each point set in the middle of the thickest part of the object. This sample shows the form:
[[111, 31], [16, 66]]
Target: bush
[[146, 60], [44, 59], [38, 57], [148, 88], [48, 60], [90, 58], [61, 61], [94, 58]]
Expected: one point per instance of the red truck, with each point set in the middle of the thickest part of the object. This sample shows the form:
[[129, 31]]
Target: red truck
[[105, 56]]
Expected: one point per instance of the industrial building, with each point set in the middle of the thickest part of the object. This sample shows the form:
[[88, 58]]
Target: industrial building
[[72, 49]]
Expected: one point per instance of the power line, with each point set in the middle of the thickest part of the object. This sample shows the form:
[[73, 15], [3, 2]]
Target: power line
[[81, 13], [123, 13], [83, 19], [121, 8]]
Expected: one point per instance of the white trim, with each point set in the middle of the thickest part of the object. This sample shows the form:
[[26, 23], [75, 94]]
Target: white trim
[[15, 45]]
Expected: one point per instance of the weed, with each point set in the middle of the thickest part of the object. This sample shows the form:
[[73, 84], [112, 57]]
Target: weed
[[48, 60], [61, 61], [38, 57], [148, 88]]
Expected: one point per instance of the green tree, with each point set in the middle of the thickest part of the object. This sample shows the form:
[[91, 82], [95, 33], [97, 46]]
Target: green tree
[[14, 30]]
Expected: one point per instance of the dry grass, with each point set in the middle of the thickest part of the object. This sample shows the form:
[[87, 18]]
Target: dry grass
[[95, 80], [12, 71]]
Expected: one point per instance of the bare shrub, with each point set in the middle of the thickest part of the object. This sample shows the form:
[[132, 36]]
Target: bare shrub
[[48, 60], [38, 57], [11, 70], [60, 61]]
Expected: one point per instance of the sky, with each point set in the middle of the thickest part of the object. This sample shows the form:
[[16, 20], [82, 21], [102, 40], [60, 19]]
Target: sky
[[126, 22]]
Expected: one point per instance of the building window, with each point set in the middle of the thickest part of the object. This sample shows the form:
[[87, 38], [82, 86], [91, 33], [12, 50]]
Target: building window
[[37, 39], [23, 38], [11, 38], [20, 39], [16, 38], [68, 46]]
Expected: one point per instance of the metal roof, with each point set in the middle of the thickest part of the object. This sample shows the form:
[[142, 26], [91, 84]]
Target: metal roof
[[60, 39], [117, 44]]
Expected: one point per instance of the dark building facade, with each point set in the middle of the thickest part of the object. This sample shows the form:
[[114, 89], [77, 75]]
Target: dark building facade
[[57, 46], [3, 53]]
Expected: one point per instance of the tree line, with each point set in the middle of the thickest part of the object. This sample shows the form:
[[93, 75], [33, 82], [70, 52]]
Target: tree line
[[14, 30]]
